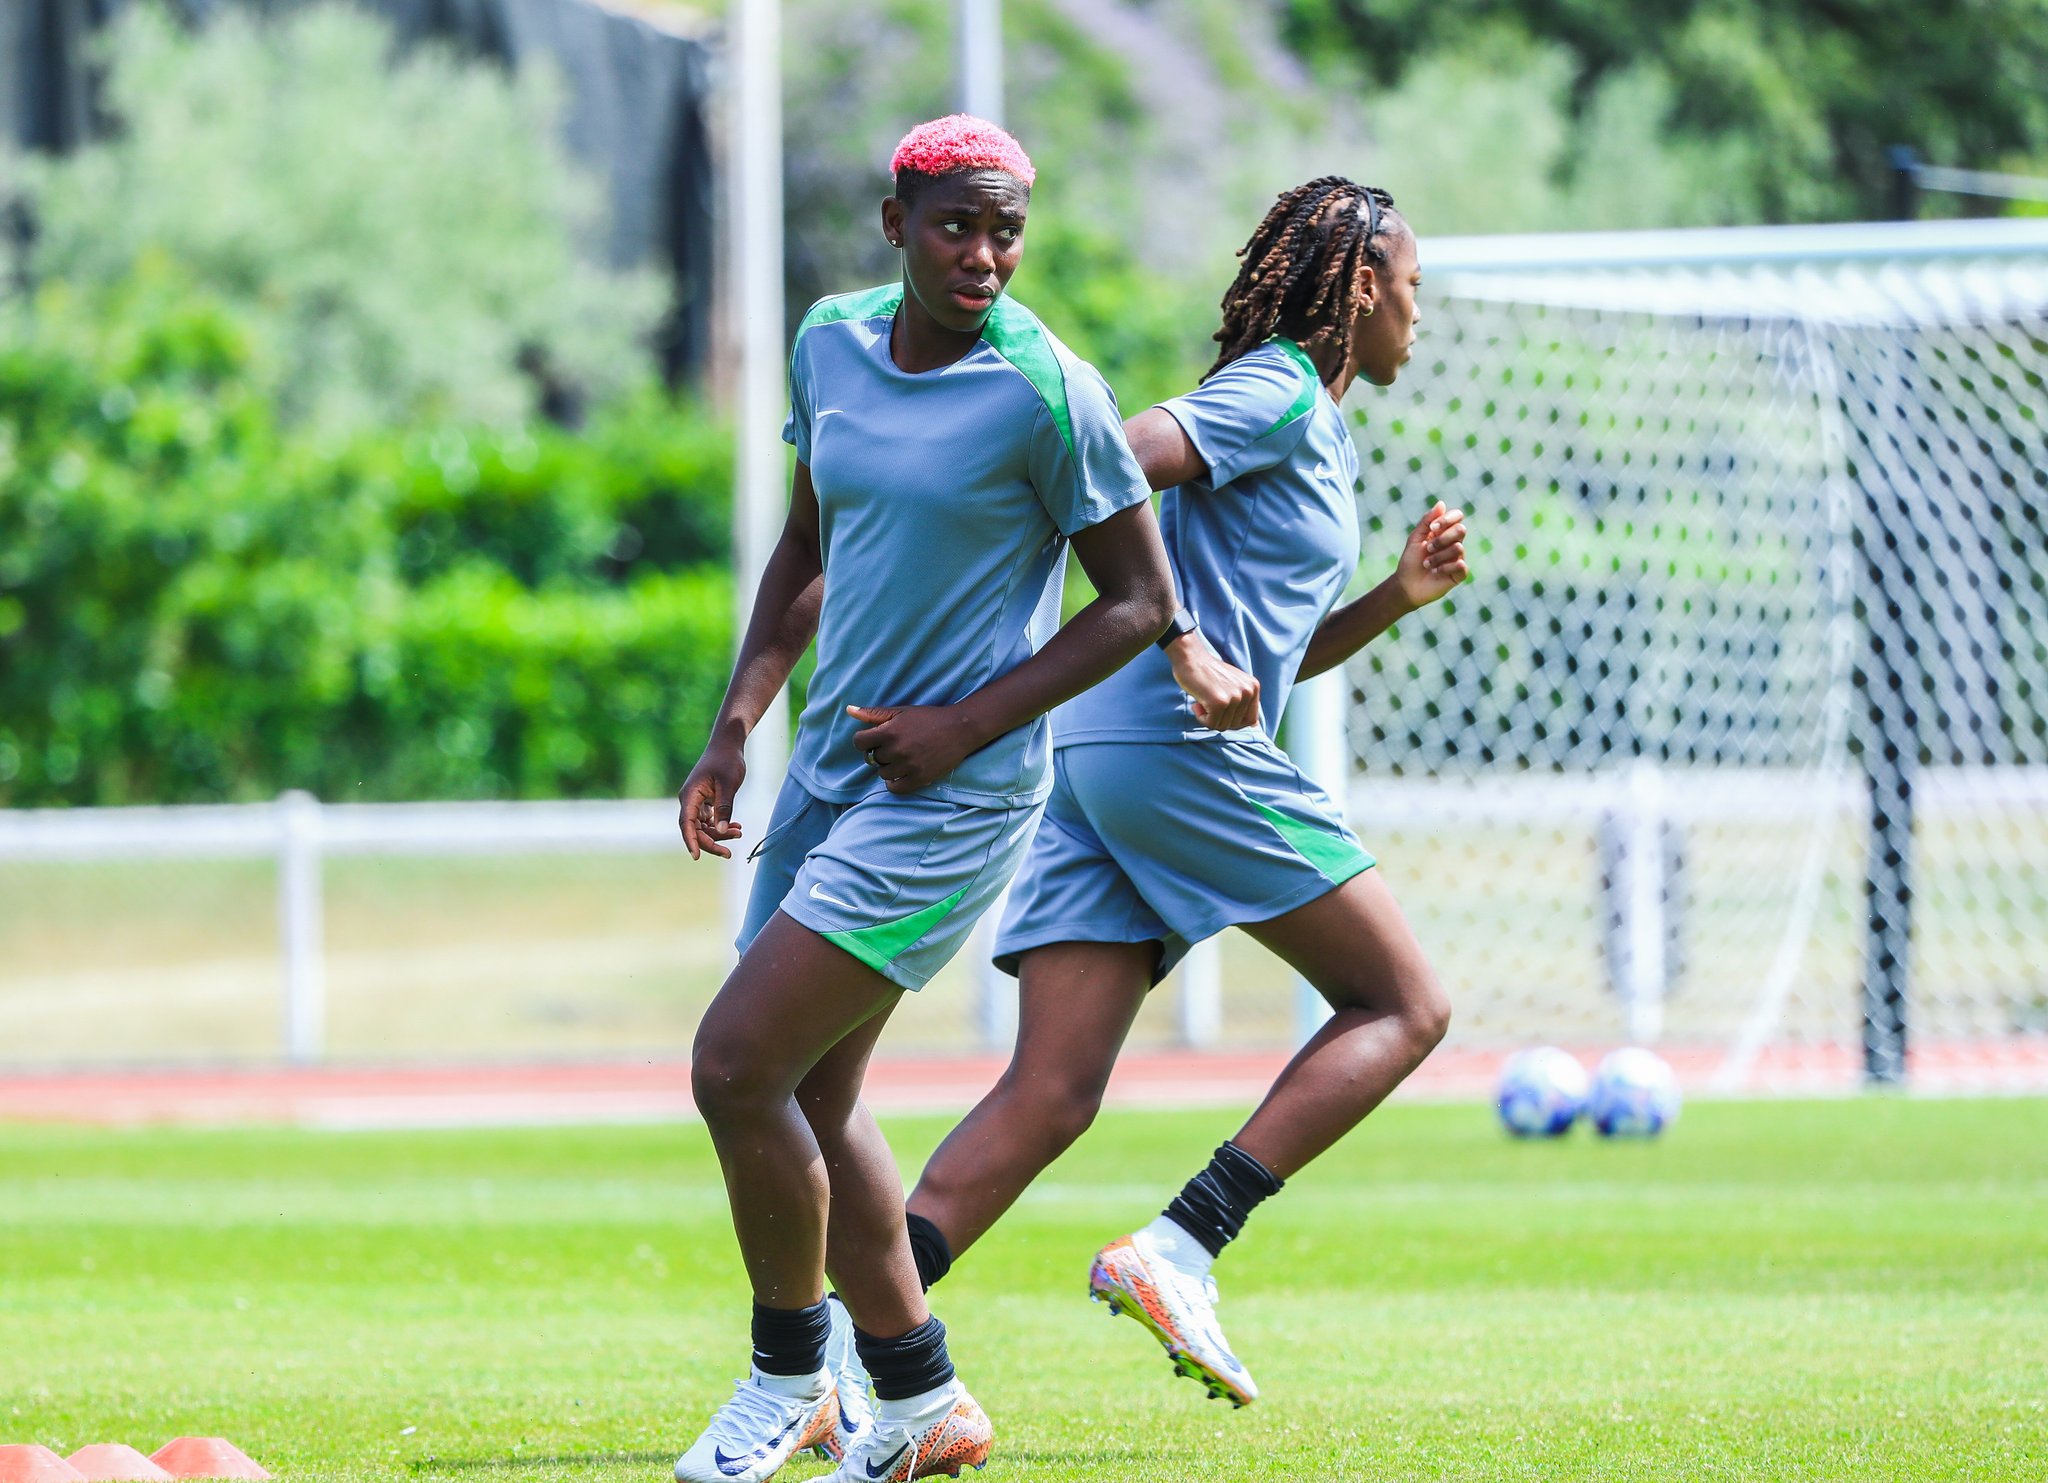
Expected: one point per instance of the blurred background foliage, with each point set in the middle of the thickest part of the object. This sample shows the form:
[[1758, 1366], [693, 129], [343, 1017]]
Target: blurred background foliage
[[279, 503], [329, 457], [397, 232]]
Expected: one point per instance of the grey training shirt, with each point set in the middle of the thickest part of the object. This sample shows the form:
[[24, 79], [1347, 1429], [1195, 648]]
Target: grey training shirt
[[944, 502], [1262, 549]]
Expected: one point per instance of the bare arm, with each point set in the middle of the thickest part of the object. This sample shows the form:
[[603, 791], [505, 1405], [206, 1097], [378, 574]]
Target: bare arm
[[784, 620], [1432, 563], [1165, 451], [1225, 697], [914, 746]]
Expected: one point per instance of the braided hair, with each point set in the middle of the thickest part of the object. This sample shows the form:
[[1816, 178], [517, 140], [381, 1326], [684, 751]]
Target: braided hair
[[1304, 267]]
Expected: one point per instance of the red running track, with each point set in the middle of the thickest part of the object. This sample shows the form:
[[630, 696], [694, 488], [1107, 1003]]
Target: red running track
[[659, 1091]]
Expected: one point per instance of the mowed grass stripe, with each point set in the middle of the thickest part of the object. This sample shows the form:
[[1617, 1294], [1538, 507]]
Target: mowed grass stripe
[[1803, 1290]]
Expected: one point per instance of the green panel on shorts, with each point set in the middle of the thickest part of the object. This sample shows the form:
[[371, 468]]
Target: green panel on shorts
[[880, 945], [1335, 856]]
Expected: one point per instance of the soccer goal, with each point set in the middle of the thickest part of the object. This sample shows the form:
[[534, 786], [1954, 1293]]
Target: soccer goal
[[1737, 741]]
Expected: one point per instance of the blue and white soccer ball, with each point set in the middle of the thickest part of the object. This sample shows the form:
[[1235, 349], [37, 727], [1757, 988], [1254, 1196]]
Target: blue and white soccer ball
[[1542, 1092], [1634, 1095]]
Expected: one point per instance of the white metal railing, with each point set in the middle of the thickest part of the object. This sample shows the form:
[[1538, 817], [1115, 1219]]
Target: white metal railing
[[1637, 799], [299, 832]]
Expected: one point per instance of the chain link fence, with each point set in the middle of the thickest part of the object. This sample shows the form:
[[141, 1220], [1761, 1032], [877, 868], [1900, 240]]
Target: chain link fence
[[1738, 738]]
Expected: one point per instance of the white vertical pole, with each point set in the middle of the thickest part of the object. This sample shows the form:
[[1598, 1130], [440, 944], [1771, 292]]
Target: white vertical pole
[[978, 58], [979, 42], [756, 143], [300, 927], [1201, 994], [1318, 738], [1642, 898]]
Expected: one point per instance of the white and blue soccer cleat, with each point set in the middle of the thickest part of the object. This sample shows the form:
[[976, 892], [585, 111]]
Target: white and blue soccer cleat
[[1179, 1308], [849, 1382], [769, 1419]]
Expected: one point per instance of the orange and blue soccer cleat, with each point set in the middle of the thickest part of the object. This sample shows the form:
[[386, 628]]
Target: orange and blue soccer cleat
[[1179, 1308], [941, 1439]]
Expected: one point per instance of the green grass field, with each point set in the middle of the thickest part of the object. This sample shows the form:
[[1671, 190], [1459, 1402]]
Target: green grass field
[[1778, 1290]]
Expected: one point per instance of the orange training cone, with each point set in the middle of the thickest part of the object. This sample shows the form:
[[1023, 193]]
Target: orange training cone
[[114, 1462], [29, 1463], [205, 1457]]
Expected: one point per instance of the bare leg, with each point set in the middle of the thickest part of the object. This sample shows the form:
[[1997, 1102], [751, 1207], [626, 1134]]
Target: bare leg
[[1076, 1002], [792, 999], [866, 1248], [1356, 948]]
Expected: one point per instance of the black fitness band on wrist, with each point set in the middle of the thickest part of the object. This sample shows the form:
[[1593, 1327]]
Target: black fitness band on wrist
[[1183, 622]]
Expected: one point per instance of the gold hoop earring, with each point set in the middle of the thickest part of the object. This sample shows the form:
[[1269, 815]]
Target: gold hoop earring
[[1368, 311]]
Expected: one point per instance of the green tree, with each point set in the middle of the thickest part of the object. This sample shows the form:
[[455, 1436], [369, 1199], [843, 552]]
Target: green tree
[[399, 235], [1797, 100]]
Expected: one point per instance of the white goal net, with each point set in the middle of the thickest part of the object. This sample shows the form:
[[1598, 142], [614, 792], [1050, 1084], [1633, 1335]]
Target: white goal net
[[1737, 741]]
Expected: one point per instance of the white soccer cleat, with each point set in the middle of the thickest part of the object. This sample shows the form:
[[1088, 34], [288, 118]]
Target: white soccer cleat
[[759, 1429], [849, 1381], [951, 1434], [1178, 1307]]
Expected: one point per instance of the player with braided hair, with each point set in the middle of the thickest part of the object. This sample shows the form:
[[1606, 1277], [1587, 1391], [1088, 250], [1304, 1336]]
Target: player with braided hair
[[1312, 295], [1174, 814]]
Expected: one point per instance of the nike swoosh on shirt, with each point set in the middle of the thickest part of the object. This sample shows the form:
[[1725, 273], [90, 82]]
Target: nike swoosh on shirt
[[828, 412], [823, 895]]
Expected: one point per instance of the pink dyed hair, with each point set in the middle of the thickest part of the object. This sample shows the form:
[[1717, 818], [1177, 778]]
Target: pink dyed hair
[[960, 141]]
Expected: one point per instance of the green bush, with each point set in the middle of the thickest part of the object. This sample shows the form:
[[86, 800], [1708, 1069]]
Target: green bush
[[198, 601], [639, 488], [496, 690]]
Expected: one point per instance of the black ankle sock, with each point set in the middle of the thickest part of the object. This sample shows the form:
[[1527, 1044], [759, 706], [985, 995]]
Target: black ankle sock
[[1215, 1202], [790, 1341], [928, 1245], [906, 1366]]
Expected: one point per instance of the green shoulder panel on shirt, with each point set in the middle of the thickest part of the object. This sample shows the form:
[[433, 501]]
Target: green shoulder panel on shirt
[[1020, 339], [1311, 379], [869, 303], [880, 945]]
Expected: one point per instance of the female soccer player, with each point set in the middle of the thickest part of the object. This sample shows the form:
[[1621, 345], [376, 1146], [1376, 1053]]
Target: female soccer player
[[1174, 815], [948, 448]]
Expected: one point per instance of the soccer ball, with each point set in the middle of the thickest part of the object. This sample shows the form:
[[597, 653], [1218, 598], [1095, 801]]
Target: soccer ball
[[1634, 1095], [1542, 1092]]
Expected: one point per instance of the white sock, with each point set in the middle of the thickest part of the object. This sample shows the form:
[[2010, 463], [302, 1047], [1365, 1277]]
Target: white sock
[[1176, 1246], [795, 1387], [915, 1407]]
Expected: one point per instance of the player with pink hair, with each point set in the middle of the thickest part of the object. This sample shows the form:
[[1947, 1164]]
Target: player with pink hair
[[949, 450], [959, 141]]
